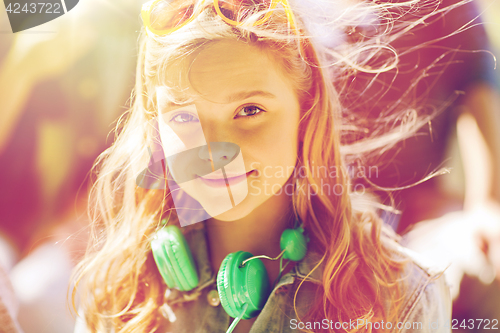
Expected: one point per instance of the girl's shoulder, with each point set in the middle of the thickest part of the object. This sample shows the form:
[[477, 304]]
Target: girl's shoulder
[[427, 300]]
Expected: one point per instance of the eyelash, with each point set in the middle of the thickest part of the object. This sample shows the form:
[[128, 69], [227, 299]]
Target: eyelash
[[241, 109], [250, 116], [183, 114]]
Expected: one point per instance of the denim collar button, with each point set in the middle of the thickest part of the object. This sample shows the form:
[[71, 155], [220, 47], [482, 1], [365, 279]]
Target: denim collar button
[[213, 298]]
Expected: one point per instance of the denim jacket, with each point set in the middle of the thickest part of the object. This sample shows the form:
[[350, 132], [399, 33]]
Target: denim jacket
[[427, 304]]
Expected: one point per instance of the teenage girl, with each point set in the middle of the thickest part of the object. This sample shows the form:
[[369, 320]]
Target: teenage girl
[[228, 201]]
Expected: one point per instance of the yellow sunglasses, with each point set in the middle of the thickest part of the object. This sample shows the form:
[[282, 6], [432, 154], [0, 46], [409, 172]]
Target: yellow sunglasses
[[162, 17]]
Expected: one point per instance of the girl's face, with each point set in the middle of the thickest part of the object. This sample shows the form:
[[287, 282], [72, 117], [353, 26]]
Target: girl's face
[[243, 106]]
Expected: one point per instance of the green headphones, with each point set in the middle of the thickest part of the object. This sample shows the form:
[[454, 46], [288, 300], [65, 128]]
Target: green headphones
[[242, 282]]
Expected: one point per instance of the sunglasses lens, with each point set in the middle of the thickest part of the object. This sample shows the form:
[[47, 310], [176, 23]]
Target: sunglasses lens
[[239, 10], [170, 14]]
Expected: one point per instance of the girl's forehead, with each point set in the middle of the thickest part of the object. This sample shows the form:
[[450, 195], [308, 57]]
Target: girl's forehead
[[227, 55], [227, 71]]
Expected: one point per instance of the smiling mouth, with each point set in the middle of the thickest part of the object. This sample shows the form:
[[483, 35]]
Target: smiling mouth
[[217, 180]]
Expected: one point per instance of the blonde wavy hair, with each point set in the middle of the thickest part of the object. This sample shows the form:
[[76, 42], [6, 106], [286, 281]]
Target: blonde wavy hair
[[118, 283]]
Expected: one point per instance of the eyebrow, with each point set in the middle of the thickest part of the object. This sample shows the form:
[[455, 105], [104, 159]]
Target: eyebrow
[[231, 99], [247, 94]]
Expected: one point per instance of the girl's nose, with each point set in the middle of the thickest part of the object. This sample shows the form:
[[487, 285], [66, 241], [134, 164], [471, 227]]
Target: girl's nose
[[220, 153]]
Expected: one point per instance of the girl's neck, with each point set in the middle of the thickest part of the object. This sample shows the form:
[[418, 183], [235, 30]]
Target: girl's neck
[[257, 233]]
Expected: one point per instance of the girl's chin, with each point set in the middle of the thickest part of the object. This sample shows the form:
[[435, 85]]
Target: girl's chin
[[251, 202]]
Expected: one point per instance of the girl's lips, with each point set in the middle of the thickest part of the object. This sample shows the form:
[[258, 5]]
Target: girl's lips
[[221, 182]]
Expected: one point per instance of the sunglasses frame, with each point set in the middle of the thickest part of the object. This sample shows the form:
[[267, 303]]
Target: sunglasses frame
[[148, 7]]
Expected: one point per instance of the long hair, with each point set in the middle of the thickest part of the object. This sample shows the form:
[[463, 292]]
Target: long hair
[[118, 281]]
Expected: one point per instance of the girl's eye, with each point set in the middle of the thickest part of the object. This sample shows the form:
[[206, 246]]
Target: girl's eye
[[182, 118], [249, 111]]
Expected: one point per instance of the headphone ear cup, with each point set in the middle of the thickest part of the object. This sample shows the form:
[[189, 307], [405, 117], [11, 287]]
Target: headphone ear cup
[[294, 243], [224, 284], [162, 262], [238, 286], [174, 259]]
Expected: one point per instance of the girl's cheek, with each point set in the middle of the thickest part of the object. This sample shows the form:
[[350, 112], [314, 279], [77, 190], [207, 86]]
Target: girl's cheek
[[254, 137], [270, 141], [271, 126]]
